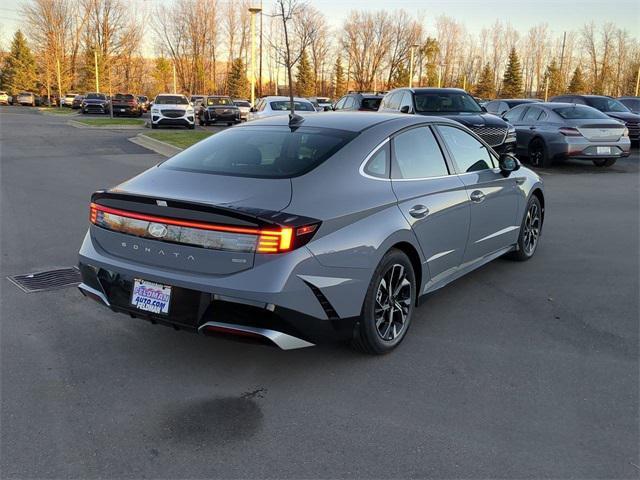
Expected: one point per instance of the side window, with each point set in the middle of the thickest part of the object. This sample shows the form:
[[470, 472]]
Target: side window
[[378, 164], [340, 104], [492, 107], [578, 100], [416, 154], [349, 103], [504, 107], [543, 116], [406, 101], [514, 114], [531, 115], [261, 106], [469, 154], [394, 101]]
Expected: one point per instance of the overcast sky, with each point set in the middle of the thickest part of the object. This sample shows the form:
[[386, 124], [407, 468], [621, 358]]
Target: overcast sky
[[475, 14]]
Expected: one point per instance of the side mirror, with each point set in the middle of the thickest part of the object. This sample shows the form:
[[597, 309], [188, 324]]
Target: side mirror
[[508, 163], [404, 109]]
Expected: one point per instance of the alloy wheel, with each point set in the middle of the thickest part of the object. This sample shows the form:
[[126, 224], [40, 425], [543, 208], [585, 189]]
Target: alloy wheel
[[537, 154], [393, 303], [531, 229]]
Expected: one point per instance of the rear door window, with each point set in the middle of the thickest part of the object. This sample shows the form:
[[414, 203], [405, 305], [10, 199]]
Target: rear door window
[[417, 155]]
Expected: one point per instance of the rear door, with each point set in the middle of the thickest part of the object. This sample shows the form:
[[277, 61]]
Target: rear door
[[493, 197], [431, 198]]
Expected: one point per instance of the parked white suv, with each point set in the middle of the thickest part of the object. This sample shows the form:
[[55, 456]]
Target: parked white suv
[[172, 109], [67, 101], [270, 106]]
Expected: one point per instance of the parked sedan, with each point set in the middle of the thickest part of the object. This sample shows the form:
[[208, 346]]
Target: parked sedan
[[358, 102], [502, 106], [274, 106], [295, 231], [611, 107], [632, 103], [456, 104], [218, 108], [557, 131]]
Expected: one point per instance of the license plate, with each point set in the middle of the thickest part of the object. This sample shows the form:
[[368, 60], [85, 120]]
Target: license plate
[[603, 150], [150, 296], [122, 109]]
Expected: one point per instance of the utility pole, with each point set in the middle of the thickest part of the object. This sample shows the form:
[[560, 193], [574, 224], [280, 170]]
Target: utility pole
[[260, 67], [253, 11], [59, 82], [110, 91], [95, 64], [413, 47]]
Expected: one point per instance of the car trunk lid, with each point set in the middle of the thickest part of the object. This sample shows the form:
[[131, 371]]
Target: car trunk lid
[[600, 132]]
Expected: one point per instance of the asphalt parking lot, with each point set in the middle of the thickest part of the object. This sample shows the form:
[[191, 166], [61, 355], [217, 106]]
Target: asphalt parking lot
[[519, 370]]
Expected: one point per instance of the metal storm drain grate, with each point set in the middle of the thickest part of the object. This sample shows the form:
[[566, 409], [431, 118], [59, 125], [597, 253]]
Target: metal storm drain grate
[[48, 280]]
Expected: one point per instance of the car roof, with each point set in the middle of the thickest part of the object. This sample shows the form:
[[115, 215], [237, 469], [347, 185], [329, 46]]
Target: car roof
[[272, 98], [434, 90], [349, 121]]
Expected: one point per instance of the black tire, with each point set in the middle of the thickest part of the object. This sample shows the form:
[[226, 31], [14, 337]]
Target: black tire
[[229, 124], [530, 230], [201, 122], [538, 155], [153, 126], [192, 126], [381, 326], [604, 162]]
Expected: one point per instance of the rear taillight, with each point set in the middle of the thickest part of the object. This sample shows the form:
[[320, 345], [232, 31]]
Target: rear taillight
[[276, 239], [570, 132]]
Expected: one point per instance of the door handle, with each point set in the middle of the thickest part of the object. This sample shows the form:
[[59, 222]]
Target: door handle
[[477, 196], [419, 211], [532, 128]]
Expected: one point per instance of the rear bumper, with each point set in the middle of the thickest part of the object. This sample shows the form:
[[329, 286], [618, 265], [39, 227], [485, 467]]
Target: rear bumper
[[278, 294], [125, 110], [579, 148]]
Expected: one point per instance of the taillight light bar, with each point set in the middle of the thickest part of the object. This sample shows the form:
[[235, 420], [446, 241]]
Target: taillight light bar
[[570, 132], [276, 240]]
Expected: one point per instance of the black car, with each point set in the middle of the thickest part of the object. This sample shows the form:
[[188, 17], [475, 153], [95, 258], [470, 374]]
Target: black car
[[632, 103], [77, 102], [457, 105], [95, 103], [217, 108], [503, 105], [609, 106], [358, 102]]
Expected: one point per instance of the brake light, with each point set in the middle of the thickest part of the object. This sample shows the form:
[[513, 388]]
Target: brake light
[[570, 132], [270, 240]]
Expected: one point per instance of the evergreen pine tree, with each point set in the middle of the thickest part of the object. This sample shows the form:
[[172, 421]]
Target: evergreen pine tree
[[577, 84], [339, 82], [238, 83], [304, 79], [512, 80], [19, 72], [554, 78], [486, 88]]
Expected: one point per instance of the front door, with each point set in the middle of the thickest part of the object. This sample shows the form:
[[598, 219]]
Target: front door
[[493, 197]]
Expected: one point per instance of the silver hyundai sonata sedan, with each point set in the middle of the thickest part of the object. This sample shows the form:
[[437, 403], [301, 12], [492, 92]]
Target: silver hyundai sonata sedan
[[293, 231]]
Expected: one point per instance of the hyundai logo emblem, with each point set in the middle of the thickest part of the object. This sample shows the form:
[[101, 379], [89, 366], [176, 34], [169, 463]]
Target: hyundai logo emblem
[[157, 230]]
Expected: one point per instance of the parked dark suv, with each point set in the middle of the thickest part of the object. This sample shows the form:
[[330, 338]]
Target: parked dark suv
[[218, 108], [503, 105], [358, 102], [457, 105], [609, 106], [125, 104]]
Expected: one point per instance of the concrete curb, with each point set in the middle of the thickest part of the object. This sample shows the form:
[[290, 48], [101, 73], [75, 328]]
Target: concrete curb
[[76, 124], [155, 145]]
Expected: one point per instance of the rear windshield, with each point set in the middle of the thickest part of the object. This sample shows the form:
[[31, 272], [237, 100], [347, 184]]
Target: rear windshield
[[171, 100], [577, 112], [284, 105], [266, 152], [96, 96], [219, 101], [632, 103], [446, 102], [123, 96], [371, 103]]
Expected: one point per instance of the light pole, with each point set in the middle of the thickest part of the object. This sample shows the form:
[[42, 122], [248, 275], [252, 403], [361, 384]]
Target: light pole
[[253, 11], [413, 47], [95, 65], [440, 73]]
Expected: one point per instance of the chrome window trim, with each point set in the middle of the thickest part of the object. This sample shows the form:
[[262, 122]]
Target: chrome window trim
[[368, 157]]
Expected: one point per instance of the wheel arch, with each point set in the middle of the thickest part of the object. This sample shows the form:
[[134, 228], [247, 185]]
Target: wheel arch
[[540, 195], [414, 257]]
